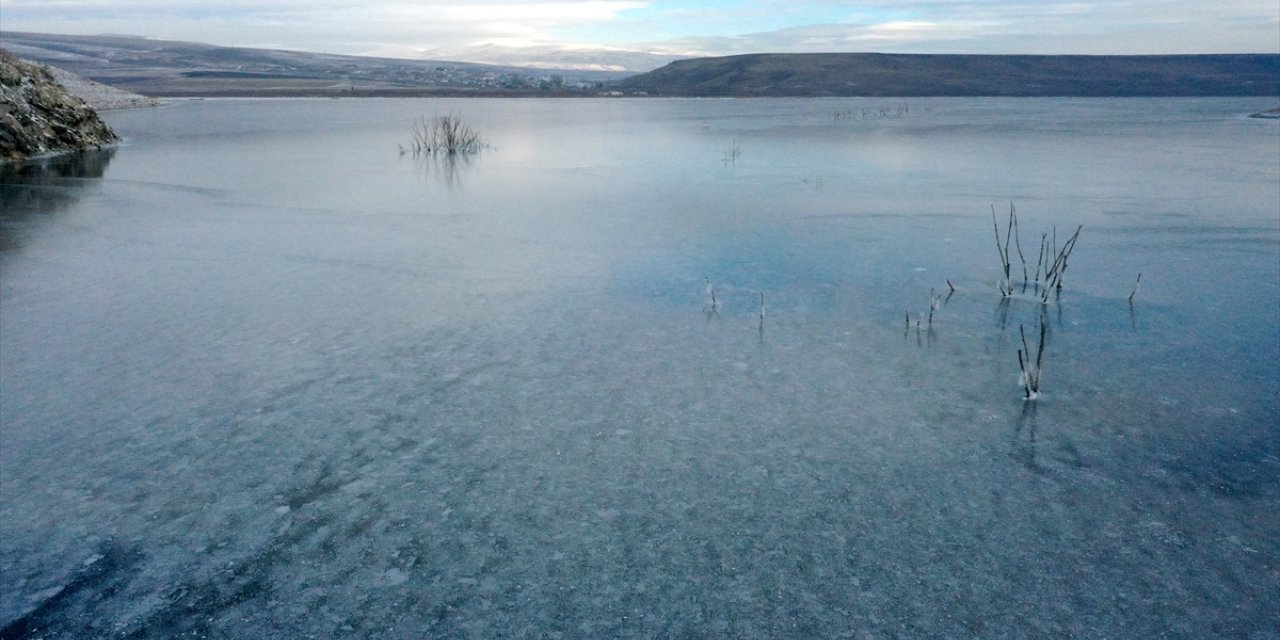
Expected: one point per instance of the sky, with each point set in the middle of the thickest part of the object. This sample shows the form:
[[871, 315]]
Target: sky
[[647, 33]]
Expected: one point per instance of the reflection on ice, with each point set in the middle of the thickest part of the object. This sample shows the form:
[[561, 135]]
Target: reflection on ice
[[40, 187]]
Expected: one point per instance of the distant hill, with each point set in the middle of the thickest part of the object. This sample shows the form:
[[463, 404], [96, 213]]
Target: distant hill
[[172, 68], [876, 74]]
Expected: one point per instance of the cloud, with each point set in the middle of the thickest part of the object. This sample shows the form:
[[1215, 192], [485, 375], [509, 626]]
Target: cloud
[[965, 26], [314, 24], [545, 13], [501, 28]]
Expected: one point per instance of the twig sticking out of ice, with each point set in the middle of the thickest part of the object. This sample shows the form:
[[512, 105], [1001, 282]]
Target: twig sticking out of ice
[[1052, 261], [1029, 379], [935, 303], [1053, 274], [711, 292], [1002, 249]]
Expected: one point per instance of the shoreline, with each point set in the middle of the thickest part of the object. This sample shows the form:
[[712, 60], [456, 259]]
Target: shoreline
[[288, 94], [101, 97]]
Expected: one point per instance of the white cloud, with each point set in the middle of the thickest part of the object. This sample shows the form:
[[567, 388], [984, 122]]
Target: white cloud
[[546, 13], [455, 28], [1021, 26]]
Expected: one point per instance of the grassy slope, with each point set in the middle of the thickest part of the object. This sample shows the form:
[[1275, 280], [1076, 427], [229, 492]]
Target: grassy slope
[[174, 68], [871, 74]]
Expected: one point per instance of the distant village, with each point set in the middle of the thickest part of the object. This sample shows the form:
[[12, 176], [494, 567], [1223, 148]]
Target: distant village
[[468, 78], [476, 78]]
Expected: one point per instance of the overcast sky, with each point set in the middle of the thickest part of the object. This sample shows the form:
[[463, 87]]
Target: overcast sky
[[460, 29]]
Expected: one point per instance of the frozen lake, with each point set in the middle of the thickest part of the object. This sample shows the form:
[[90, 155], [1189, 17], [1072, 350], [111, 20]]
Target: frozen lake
[[261, 376]]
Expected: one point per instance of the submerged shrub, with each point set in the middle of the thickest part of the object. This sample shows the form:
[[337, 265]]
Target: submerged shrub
[[447, 135]]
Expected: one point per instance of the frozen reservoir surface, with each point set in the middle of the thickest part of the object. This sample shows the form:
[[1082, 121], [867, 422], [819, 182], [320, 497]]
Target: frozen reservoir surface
[[262, 376]]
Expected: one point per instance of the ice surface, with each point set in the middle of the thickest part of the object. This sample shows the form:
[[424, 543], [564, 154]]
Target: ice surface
[[261, 377]]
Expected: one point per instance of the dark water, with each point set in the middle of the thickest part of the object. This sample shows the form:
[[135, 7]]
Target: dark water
[[263, 376]]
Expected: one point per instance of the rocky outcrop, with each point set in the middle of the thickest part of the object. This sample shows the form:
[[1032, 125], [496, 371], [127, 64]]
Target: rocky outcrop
[[38, 116]]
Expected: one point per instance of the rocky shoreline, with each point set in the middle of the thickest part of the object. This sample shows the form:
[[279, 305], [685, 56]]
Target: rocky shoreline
[[100, 96], [39, 116]]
